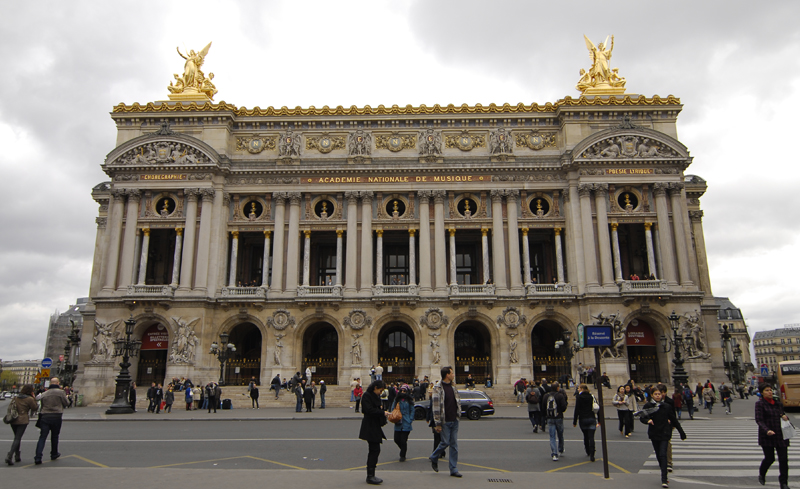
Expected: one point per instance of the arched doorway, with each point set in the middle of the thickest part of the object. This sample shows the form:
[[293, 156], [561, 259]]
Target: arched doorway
[[547, 363], [321, 352], [245, 362], [473, 350], [642, 352], [396, 352], [153, 356]]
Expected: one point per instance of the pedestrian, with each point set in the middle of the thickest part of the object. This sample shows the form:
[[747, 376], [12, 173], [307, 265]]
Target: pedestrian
[[197, 397], [688, 400], [132, 396], [322, 390], [169, 399], [357, 393], [437, 436], [555, 404], [620, 401], [677, 400], [151, 393], [353, 385], [519, 390], [698, 391], [533, 397], [213, 401], [423, 387], [393, 389], [276, 385], [189, 398], [403, 428], [446, 407], [53, 402], [378, 372], [205, 397], [313, 395], [661, 420], [769, 413], [217, 396], [372, 427], [299, 391], [709, 398], [584, 414], [725, 397], [469, 383], [158, 396], [254, 396], [26, 407]]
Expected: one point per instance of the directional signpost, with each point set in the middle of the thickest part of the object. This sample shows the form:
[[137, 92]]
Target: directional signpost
[[47, 362], [599, 336], [764, 370]]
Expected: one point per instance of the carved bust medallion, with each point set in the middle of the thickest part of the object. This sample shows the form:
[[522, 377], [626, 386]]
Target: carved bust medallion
[[280, 320], [434, 318], [357, 319], [511, 318]]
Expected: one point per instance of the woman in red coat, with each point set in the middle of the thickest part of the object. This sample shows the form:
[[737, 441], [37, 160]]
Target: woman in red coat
[[769, 413]]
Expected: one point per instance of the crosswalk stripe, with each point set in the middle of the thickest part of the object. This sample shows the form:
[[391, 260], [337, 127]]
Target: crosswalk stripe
[[716, 463]]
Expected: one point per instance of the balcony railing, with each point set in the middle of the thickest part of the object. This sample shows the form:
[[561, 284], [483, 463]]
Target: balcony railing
[[245, 292], [152, 290], [533, 289], [322, 291], [473, 290], [643, 285], [398, 290]]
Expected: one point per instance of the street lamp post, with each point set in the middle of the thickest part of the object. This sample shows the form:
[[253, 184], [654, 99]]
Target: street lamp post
[[679, 375], [223, 351], [71, 356], [567, 349], [727, 354], [126, 348]]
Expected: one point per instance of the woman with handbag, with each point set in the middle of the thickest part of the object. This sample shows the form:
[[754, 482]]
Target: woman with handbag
[[26, 407], [769, 413], [404, 406], [584, 414], [372, 426]]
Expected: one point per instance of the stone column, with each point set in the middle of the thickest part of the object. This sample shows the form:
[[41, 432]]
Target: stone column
[[485, 253], [145, 254], [601, 201], [559, 256], [424, 242], [234, 257], [412, 259], [526, 256], [129, 239], [293, 248], [589, 255], [453, 274], [439, 247], [212, 205], [615, 246], [379, 257], [137, 252], [657, 249], [351, 267], [574, 238], [115, 235], [306, 257], [498, 244], [265, 260], [339, 257], [700, 244], [513, 240], [276, 286], [190, 225], [366, 242], [651, 256], [678, 227], [176, 261], [664, 234]]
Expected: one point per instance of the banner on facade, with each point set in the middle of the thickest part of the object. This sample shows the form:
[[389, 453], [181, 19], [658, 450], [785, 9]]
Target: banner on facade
[[155, 338], [640, 334]]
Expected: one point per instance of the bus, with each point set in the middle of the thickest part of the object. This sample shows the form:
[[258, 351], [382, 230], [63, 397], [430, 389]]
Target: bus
[[788, 377]]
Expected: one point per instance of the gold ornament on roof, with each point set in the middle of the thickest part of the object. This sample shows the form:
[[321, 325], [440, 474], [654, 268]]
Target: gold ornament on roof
[[193, 84], [601, 79]]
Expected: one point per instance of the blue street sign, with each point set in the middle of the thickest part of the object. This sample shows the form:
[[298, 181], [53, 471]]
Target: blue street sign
[[765, 371], [47, 362], [598, 336]]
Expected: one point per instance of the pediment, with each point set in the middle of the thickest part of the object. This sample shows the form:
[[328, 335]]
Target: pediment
[[163, 148], [630, 144]]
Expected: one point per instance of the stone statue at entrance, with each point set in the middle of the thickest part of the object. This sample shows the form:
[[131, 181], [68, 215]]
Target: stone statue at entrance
[[437, 356], [278, 348], [512, 354], [355, 350], [691, 329], [183, 347], [103, 341], [617, 349]]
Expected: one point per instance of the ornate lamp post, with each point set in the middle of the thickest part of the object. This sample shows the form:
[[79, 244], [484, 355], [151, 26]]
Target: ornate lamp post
[[679, 375], [126, 348], [727, 353], [71, 357], [567, 349], [223, 351]]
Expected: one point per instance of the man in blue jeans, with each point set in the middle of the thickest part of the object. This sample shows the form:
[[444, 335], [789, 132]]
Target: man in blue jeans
[[446, 407], [554, 403], [54, 400]]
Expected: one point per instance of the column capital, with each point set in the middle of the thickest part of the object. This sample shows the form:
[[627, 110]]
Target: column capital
[[439, 196], [366, 196], [118, 194], [696, 215], [557, 231], [192, 194], [208, 193], [615, 225], [379, 233], [660, 188], [279, 197], [452, 232], [179, 231], [101, 221], [497, 195], [411, 232], [134, 195], [511, 194], [585, 189], [267, 233], [524, 231], [484, 231], [648, 226], [339, 233], [351, 196], [675, 187], [601, 189], [235, 234], [294, 198], [307, 233], [146, 231]]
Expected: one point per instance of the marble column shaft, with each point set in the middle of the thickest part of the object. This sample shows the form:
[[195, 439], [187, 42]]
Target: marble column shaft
[[559, 257], [603, 241], [664, 234], [526, 256], [145, 254], [265, 260], [575, 237], [211, 217], [129, 238], [190, 230], [279, 245], [176, 261], [589, 254], [351, 266], [379, 257], [115, 236], [234, 258], [439, 240], [651, 256], [293, 243], [485, 254], [498, 243], [367, 255], [453, 274], [339, 257], [424, 241], [615, 247], [679, 230], [513, 240], [306, 257], [412, 259]]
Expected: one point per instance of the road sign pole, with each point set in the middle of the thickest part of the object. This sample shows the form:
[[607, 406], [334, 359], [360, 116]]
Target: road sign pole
[[602, 414]]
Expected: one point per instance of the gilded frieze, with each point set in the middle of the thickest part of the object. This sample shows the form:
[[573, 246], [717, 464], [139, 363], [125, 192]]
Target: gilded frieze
[[535, 140], [255, 144], [465, 141], [395, 142], [325, 143]]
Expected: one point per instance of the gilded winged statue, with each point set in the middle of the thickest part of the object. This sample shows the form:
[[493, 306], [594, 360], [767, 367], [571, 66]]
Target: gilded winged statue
[[193, 80], [600, 76]]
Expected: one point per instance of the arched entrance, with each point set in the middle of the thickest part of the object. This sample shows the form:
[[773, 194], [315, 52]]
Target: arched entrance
[[547, 363], [321, 352], [245, 362], [642, 352], [153, 356], [473, 350], [396, 352]]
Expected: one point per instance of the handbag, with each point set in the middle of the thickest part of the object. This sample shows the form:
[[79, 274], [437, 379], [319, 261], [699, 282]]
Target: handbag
[[12, 413], [396, 416], [595, 406], [787, 428]]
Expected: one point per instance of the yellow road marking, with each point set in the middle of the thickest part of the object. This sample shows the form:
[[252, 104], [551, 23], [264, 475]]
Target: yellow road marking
[[568, 466], [385, 463], [191, 463], [274, 462], [483, 467], [618, 467], [588, 462], [88, 461]]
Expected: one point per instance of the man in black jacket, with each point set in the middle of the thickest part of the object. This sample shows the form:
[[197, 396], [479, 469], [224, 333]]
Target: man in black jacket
[[276, 384], [158, 395], [555, 403], [151, 392], [322, 390]]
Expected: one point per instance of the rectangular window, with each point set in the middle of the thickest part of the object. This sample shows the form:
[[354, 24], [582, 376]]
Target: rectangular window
[[395, 266], [326, 265], [467, 264]]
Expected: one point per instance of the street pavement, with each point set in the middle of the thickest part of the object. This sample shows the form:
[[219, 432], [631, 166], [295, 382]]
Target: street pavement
[[322, 447]]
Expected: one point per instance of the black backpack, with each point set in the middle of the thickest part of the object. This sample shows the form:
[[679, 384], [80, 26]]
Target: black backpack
[[533, 397], [552, 406]]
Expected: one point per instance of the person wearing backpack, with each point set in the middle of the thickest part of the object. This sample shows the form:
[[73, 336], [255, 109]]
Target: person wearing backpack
[[26, 406], [534, 397], [688, 400], [584, 414], [555, 403]]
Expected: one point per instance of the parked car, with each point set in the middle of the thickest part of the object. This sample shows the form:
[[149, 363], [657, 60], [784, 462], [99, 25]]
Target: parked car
[[474, 404]]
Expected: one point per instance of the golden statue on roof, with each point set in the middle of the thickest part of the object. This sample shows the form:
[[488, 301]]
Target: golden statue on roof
[[193, 84], [601, 79]]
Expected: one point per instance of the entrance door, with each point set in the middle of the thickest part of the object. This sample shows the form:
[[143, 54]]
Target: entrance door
[[396, 353], [153, 356], [321, 352], [642, 352], [473, 349], [547, 363], [245, 362]]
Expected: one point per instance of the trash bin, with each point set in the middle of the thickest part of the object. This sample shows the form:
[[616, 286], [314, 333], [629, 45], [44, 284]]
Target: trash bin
[[79, 400]]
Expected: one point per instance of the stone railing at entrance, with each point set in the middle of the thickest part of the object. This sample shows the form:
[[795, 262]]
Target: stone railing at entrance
[[152, 290], [472, 290], [330, 291], [533, 289], [254, 292], [643, 285]]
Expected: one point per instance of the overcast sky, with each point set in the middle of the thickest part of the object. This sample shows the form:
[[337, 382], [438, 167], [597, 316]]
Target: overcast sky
[[736, 69]]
